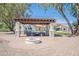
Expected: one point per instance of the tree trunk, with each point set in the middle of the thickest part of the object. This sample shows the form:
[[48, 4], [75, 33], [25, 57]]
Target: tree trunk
[[12, 30], [77, 32], [77, 7], [62, 13]]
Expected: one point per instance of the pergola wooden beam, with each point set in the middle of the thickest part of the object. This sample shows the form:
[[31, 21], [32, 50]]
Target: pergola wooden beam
[[34, 20]]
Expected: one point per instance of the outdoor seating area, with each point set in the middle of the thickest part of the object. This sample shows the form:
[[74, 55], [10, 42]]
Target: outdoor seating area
[[38, 27], [35, 27]]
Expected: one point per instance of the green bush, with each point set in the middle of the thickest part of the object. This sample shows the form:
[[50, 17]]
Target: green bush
[[4, 30], [1, 26]]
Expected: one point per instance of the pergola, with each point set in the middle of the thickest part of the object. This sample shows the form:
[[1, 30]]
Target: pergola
[[20, 22]]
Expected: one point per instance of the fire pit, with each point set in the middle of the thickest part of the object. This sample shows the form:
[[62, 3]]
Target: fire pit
[[32, 41]]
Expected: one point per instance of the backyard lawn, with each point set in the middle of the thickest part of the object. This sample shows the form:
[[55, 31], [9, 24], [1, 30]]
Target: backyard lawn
[[61, 33]]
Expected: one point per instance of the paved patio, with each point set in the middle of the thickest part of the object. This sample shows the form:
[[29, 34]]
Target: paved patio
[[50, 46]]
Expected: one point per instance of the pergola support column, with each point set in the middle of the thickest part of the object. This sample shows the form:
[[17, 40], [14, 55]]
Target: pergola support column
[[51, 29], [22, 30], [17, 28]]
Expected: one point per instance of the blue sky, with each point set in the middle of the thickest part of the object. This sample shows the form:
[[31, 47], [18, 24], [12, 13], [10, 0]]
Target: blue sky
[[37, 11]]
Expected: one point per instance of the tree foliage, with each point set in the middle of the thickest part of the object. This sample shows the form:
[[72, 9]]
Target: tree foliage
[[9, 11]]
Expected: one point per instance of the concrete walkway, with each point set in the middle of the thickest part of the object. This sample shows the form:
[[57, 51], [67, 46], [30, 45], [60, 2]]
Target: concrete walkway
[[10, 45]]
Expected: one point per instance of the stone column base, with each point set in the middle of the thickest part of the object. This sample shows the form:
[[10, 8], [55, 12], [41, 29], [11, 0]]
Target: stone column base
[[17, 34], [22, 33], [51, 33]]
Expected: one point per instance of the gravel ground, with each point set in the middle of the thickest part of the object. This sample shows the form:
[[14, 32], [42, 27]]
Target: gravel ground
[[57, 46]]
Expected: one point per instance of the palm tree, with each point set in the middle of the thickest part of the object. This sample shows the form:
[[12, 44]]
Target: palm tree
[[60, 9]]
